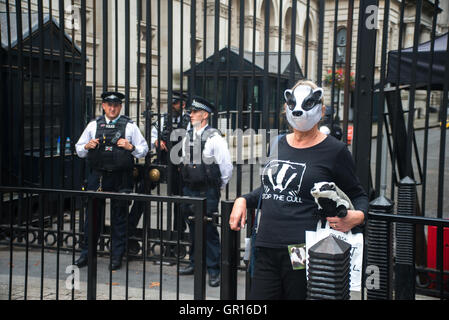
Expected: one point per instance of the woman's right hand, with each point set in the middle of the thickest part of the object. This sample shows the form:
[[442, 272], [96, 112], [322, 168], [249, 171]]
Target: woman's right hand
[[237, 220]]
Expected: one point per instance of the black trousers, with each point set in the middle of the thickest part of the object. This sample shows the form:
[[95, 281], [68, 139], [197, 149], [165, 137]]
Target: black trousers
[[274, 277], [111, 182], [212, 236]]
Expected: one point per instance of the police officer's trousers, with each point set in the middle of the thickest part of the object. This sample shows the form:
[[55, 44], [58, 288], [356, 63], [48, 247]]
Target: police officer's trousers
[[110, 182], [212, 236]]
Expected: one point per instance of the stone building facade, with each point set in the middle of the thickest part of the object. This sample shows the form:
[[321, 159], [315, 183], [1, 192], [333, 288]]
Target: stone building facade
[[280, 18]]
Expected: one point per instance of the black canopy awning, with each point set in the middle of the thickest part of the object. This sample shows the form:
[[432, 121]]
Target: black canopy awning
[[422, 66]]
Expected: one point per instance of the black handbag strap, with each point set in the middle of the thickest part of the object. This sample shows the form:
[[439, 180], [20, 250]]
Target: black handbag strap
[[259, 203]]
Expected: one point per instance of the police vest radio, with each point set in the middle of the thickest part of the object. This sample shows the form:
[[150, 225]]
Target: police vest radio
[[178, 122], [201, 175], [116, 138]]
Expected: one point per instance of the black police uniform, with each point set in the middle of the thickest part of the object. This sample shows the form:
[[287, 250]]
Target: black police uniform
[[178, 122], [203, 180], [181, 122], [111, 171]]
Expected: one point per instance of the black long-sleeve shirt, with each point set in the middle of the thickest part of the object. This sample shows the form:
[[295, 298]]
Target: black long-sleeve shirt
[[287, 207]]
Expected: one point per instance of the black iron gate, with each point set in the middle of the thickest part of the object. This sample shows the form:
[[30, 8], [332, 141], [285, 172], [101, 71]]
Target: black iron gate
[[58, 56]]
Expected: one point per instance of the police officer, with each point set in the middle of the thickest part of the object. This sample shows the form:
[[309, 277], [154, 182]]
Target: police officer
[[206, 169], [110, 143], [160, 138], [160, 133]]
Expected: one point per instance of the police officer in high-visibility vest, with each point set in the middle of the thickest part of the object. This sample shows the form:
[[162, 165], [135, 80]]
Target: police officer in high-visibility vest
[[206, 169], [110, 143]]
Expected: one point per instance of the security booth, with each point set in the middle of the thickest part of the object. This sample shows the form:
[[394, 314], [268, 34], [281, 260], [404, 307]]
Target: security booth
[[41, 106], [220, 84]]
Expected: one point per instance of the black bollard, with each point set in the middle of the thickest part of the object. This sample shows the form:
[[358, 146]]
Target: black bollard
[[405, 243], [329, 268], [229, 254], [379, 252]]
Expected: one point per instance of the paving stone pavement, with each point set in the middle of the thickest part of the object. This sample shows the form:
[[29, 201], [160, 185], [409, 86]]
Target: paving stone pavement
[[108, 285], [152, 288]]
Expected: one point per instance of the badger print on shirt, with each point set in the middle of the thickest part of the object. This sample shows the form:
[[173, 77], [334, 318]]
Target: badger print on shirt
[[282, 180]]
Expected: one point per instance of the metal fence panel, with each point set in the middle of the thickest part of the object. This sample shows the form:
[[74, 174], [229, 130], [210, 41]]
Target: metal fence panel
[[58, 56]]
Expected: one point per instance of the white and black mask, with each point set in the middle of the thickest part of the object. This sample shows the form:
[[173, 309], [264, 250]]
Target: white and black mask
[[303, 107]]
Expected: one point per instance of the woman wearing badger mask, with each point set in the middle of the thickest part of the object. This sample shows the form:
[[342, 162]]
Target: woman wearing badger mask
[[304, 157]]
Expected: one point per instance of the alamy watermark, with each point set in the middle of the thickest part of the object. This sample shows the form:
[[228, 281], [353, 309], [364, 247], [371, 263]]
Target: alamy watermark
[[371, 21], [73, 280], [372, 281], [246, 147]]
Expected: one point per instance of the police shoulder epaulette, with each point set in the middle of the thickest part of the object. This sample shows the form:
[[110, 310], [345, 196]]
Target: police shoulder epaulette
[[216, 131], [211, 132], [127, 118]]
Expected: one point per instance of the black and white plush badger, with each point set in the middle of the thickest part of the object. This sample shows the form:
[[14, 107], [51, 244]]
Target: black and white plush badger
[[331, 200]]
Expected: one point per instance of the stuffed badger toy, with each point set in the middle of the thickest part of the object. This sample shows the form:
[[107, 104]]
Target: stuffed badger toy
[[331, 201]]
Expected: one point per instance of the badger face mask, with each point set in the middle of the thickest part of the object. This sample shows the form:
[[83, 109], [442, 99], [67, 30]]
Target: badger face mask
[[303, 107]]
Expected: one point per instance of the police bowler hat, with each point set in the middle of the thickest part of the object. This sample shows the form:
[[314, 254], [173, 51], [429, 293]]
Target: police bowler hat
[[113, 97], [199, 103]]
